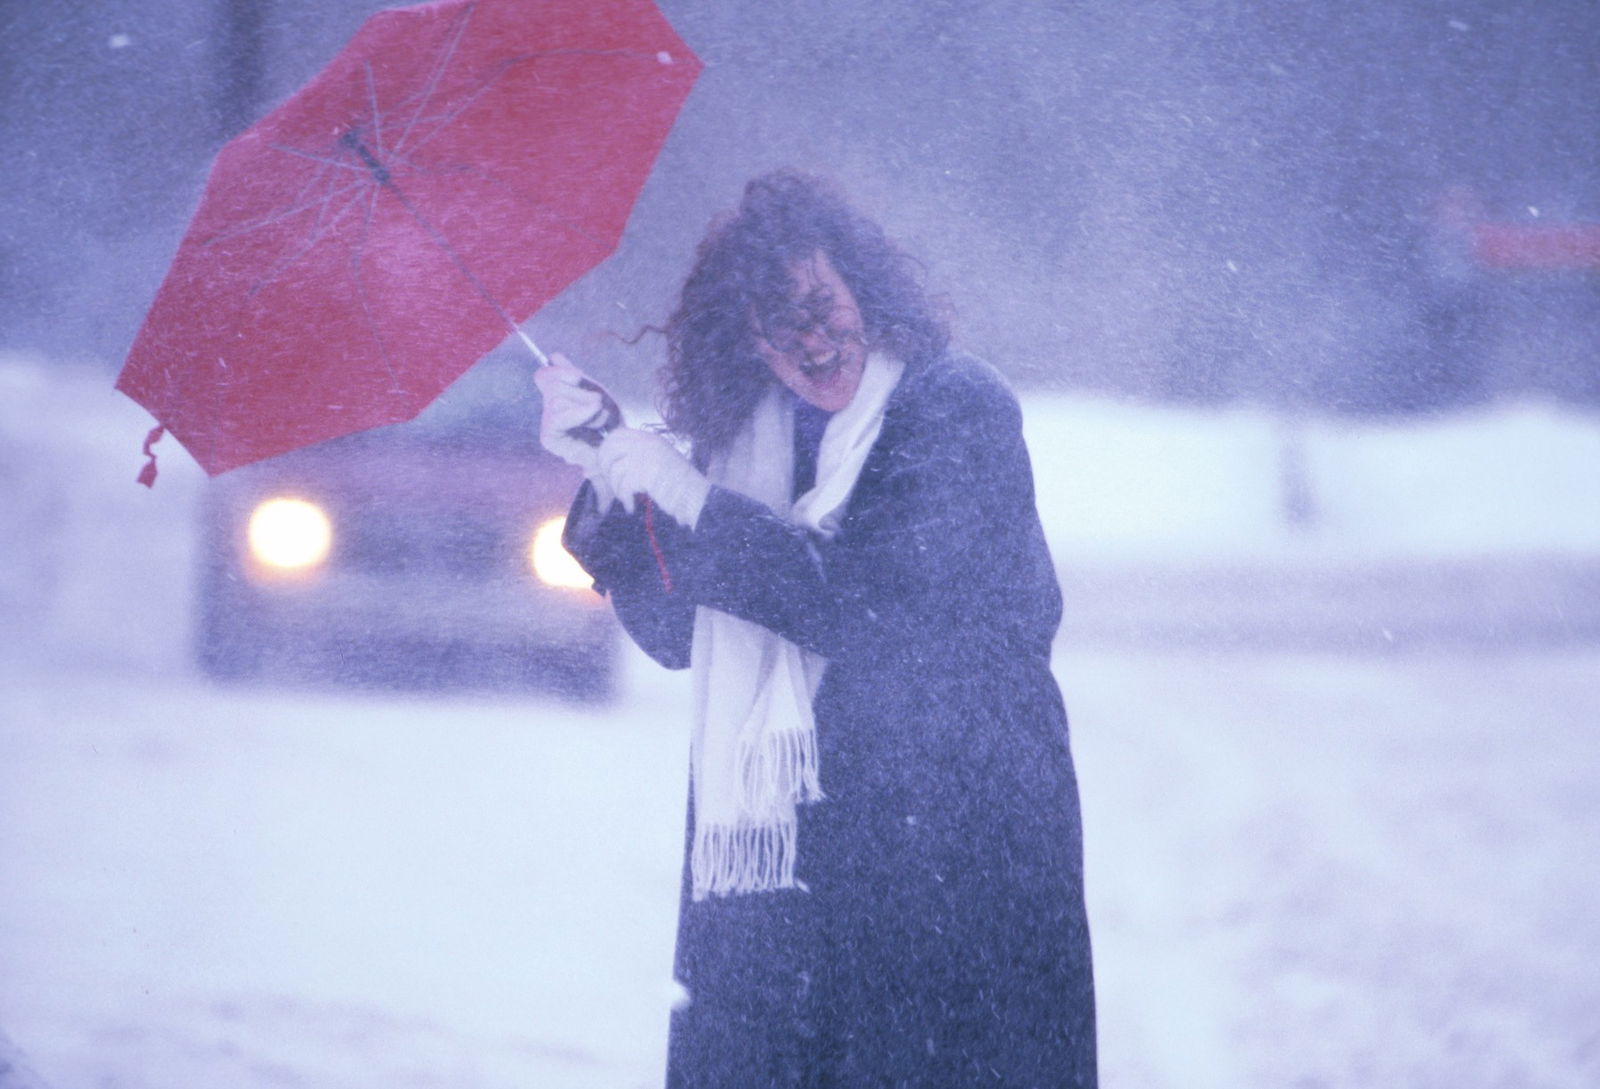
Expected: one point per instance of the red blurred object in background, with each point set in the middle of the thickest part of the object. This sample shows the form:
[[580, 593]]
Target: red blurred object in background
[[1536, 245]]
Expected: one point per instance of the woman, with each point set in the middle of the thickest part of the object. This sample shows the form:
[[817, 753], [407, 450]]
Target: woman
[[883, 874]]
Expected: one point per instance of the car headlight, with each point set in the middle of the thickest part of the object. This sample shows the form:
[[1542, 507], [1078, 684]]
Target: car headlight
[[289, 535], [550, 561]]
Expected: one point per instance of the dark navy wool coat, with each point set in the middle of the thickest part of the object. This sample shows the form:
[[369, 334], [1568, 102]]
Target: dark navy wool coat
[[941, 940]]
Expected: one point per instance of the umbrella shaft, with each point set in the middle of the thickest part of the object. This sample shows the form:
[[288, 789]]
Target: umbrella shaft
[[385, 179]]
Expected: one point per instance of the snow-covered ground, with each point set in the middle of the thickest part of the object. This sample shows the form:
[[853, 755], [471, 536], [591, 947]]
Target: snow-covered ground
[[1305, 868], [1302, 870]]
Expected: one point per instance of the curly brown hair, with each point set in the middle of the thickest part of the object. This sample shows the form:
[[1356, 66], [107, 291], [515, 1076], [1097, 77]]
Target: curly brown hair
[[713, 377]]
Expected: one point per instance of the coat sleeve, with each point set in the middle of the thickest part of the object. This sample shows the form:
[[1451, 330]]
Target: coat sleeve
[[614, 546], [940, 548]]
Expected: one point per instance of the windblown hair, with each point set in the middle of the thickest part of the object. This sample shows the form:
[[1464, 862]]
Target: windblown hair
[[713, 378]]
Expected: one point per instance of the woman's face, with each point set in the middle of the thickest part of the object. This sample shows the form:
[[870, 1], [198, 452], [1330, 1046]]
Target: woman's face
[[814, 340]]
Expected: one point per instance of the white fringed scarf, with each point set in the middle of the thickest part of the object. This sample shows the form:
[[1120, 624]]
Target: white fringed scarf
[[753, 752]]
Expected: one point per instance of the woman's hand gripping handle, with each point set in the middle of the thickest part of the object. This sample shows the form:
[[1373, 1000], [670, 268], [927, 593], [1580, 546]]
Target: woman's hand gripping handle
[[576, 416]]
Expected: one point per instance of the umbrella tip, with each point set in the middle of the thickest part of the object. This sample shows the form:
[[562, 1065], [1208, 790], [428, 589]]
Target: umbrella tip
[[664, 57]]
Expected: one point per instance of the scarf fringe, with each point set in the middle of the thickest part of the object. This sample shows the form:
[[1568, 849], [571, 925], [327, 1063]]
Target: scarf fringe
[[778, 770], [758, 854], [730, 860]]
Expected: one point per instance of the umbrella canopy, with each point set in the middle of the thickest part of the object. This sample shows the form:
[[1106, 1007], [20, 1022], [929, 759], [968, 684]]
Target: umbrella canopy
[[456, 166]]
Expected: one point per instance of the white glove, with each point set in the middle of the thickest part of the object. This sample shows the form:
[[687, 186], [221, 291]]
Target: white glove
[[642, 462], [568, 405]]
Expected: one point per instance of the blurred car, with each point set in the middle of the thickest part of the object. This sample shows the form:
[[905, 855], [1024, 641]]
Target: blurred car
[[422, 555]]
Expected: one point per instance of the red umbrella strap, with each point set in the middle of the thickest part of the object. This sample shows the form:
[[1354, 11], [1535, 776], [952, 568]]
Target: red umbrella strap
[[147, 475], [655, 545]]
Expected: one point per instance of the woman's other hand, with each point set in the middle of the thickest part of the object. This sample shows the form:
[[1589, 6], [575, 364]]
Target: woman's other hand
[[641, 462], [571, 401]]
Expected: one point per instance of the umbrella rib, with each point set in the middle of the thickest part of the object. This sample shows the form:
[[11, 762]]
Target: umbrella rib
[[327, 202], [294, 208], [323, 178], [437, 74], [313, 236], [283, 214], [448, 117]]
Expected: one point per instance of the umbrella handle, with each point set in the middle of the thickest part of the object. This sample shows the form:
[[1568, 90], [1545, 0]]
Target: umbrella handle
[[593, 434], [609, 417]]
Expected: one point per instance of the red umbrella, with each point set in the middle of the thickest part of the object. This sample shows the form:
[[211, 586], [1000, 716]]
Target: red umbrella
[[456, 166]]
